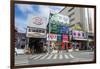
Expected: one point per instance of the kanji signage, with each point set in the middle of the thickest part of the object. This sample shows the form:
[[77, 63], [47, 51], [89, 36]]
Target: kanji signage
[[37, 21], [52, 37], [78, 34], [65, 38]]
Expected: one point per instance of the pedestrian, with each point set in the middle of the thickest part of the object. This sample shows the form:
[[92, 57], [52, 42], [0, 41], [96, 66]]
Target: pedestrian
[[30, 49]]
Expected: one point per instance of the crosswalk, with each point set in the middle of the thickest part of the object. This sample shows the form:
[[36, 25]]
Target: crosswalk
[[51, 56]]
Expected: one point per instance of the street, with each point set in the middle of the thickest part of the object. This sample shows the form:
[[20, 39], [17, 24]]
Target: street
[[62, 57]]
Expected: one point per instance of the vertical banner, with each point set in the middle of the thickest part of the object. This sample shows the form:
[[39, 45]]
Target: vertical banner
[[65, 38], [59, 38]]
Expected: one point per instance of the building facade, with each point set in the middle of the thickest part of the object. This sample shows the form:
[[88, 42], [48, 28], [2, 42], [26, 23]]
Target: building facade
[[20, 40], [84, 18]]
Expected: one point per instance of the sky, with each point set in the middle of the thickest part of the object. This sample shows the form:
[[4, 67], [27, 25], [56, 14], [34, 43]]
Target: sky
[[22, 11]]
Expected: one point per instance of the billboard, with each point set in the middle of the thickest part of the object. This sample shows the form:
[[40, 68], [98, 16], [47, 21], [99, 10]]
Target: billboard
[[37, 21], [79, 34], [58, 23]]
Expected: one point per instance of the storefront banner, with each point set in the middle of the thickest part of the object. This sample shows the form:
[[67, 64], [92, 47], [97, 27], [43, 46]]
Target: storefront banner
[[79, 35], [65, 38], [52, 37]]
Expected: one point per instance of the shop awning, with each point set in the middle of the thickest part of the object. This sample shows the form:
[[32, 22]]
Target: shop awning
[[81, 39]]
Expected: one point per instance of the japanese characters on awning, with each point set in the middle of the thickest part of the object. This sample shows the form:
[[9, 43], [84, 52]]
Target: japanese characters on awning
[[79, 35]]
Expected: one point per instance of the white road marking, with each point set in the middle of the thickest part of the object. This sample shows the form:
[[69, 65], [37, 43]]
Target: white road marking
[[55, 56], [44, 56], [71, 55], [33, 56], [60, 56], [38, 57], [66, 56], [50, 56]]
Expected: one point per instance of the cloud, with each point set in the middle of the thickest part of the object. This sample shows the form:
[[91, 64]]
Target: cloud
[[38, 10], [56, 9], [44, 10], [25, 8], [20, 24]]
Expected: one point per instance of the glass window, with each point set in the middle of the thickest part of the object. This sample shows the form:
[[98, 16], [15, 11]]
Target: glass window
[[71, 14], [82, 34], [33, 30], [72, 19], [29, 30], [71, 9], [42, 31], [39, 31]]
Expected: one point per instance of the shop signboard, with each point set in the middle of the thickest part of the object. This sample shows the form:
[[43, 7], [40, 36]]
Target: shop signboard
[[59, 39], [37, 21], [65, 38], [78, 34], [52, 37]]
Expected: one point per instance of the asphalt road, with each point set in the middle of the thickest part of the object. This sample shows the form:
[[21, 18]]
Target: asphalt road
[[62, 57]]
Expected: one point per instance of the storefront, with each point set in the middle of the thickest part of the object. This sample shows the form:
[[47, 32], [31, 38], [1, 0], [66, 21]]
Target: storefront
[[79, 40], [36, 33], [65, 42], [52, 40]]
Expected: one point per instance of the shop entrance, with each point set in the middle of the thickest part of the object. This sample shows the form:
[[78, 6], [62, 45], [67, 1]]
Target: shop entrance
[[36, 45]]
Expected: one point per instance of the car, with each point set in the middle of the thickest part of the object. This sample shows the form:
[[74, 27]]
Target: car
[[19, 51]]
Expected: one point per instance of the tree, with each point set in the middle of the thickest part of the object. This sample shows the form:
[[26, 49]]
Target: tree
[[77, 27]]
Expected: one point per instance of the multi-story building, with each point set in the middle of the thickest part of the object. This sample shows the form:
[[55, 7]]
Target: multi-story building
[[82, 17], [20, 40]]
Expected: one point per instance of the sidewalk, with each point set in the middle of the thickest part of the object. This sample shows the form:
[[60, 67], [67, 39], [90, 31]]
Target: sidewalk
[[21, 59]]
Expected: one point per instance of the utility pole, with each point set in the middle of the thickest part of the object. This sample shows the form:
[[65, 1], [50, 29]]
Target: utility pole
[[49, 33], [87, 27]]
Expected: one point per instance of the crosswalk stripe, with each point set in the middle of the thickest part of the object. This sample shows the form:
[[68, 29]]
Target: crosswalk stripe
[[71, 55], [33, 56], [66, 56], [44, 56], [60, 56], [55, 56], [50, 56], [38, 57]]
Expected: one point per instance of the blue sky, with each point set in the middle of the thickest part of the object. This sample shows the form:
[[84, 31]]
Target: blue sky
[[23, 10]]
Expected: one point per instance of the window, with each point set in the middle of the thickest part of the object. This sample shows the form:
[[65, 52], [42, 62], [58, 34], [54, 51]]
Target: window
[[78, 34], [23, 39], [42, 31], [39, 31], [71, 14], [72, 19], [33, 30], [71, 9], [82, 34], [29, 30]]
